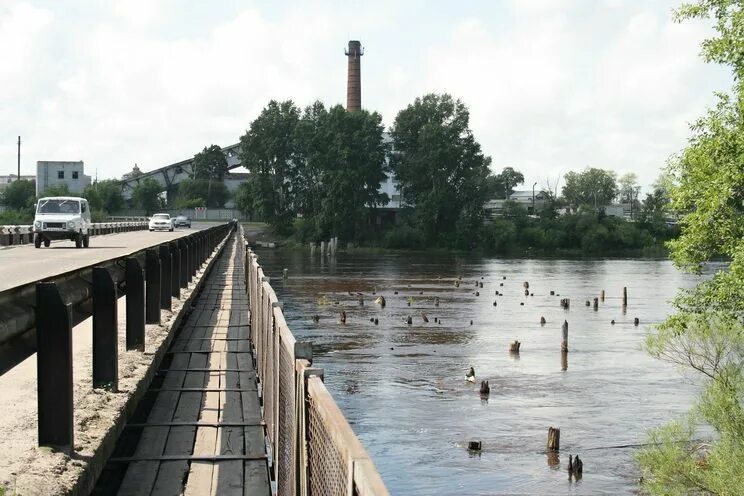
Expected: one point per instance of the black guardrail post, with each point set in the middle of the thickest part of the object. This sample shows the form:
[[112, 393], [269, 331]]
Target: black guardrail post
[[166, 267], [176, 269], [194, 256], [153, 281], [183, 269], [105, 331], [54, 368], [135, 305]]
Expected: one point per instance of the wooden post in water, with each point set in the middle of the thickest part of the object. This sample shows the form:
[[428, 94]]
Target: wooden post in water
[[564, 341], [625, 296], [596, 304], [564, 361], [602, 295], [554, 439], [285, 272]]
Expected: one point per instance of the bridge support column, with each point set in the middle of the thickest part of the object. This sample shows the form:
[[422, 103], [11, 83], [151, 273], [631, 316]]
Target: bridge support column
[[153, 281], [54, 368], [166, 267], [105, 331], [135, 305]]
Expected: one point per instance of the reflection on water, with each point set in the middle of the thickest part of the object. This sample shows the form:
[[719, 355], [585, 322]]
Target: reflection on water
[[403, 386]]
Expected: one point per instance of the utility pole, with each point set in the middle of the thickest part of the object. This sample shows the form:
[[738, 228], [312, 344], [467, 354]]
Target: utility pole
[[19, 159]]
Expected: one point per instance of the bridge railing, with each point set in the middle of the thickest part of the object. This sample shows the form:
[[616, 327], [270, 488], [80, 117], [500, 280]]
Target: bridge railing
[[24, 234], [314, 451]]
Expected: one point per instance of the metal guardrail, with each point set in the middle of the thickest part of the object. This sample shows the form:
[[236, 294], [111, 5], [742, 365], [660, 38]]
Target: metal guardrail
[[314, 451], [18, 305], [21, 235]]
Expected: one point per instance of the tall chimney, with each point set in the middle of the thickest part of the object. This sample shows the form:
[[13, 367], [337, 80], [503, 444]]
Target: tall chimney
[[354, 81]]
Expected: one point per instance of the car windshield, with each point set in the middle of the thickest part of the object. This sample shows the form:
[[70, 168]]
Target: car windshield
[[58, 207], [161, 216]]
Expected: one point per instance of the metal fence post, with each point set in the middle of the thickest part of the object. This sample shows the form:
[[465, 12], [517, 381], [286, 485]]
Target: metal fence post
[[166, 268], [152, 294], [105, 331], [175, 269], [135, 305], [54, 368]]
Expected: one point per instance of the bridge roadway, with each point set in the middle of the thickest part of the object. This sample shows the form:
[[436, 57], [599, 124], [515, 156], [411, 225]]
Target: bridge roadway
[[24, 264]]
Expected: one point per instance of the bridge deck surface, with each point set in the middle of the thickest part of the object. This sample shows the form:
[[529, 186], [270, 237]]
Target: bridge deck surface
[[24, 264], [208, 379]]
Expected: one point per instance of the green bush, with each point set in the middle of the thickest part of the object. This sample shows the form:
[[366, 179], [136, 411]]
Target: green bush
[[404, 236]]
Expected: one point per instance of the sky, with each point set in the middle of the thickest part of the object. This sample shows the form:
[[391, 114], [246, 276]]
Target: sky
[[552, 85]]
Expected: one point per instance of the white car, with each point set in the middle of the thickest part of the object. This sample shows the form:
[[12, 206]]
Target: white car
[[161, 222], [62, 217]]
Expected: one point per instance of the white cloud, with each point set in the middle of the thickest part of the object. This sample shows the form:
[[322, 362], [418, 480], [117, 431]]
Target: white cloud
[[551, 84]]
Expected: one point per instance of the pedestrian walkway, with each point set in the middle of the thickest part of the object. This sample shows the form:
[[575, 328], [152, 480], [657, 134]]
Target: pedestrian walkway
[[204, 433]]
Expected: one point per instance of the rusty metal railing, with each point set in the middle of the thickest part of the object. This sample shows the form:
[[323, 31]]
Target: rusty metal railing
[[314, 451]]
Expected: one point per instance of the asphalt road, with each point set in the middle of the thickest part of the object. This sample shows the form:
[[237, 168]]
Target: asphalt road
[[20, 265]]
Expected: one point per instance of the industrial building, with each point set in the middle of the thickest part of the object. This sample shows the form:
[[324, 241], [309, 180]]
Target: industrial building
[[52, 173]]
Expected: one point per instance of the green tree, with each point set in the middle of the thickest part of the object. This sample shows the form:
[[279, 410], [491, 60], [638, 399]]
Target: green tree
[[593, 187], [503, 184], [210, 163], [90, 193], [110, 192], [146, 195], [706, 335], [195, 192], [19, 195], [244, 198], [267, 150], [57, 190], [440, 166]]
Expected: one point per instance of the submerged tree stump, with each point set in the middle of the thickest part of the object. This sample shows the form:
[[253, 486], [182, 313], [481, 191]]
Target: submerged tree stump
[[554, 439], [564, 340]]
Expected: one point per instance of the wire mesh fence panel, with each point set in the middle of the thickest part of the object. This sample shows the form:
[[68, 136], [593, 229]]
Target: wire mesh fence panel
[[287, 425], [327, 465]]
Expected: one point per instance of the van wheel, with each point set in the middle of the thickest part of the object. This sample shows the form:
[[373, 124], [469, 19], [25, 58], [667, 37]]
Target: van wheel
[[78, 240], [86, 240], [47, 242], [37, 240]]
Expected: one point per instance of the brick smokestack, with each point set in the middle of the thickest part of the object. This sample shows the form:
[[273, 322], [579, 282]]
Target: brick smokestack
[[354, 81]]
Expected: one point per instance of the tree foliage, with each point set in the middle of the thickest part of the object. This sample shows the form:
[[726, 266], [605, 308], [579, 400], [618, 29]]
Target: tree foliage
[[210, 163], [267, 150], [146, 195], [57, 190], [503, 184], [202, 193], [19, 195], [343, 163], [440, 167], [593, 187], [110, 192], [707, 332]]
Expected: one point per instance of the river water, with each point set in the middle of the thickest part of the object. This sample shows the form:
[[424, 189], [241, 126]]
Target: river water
[[402, 387]]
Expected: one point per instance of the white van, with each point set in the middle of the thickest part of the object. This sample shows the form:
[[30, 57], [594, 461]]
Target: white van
[[62, 217]]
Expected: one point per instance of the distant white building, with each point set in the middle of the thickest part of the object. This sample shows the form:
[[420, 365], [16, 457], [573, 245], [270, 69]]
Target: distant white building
[[10, 178], [51, 173], [522, 198]]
